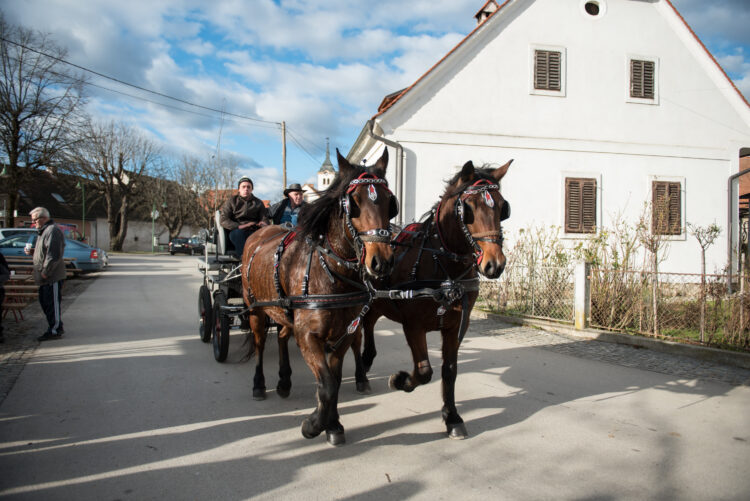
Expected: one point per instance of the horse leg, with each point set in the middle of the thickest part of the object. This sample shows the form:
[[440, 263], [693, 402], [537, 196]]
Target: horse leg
[[258, 326], [327, 391], [453, 422], [416, 337], [368, 330], [285, 368], [360, 374]]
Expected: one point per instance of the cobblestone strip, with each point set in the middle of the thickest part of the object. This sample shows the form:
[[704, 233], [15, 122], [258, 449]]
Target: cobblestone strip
[[20, 337], [623, 355]]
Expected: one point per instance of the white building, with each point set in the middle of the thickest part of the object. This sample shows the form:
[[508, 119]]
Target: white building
[[601, 103]]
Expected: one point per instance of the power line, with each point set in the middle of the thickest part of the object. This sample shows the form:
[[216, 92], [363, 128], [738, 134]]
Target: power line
[[122, 82]]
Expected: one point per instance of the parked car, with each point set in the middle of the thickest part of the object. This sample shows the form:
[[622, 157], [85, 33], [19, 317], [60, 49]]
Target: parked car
[[86, 258], [186, 245]]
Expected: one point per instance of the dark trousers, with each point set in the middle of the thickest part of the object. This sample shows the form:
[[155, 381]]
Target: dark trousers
[[50, 296], [238, 237]]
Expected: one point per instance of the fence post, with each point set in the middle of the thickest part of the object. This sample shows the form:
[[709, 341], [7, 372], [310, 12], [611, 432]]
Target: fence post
[[582, 295]]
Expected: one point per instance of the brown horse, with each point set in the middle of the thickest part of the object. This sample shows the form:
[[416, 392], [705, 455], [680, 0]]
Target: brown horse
[[310, 282], [435, 283]]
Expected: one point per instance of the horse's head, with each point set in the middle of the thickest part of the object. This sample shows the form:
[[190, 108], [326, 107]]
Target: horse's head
[[479, 209], [368, 206]]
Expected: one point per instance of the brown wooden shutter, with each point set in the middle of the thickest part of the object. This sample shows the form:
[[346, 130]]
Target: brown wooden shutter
[[547, 70], [666, 212], [580, 205], [641, 79]]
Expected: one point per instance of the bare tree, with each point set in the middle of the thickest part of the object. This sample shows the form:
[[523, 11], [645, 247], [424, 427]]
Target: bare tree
[[214, 184], [114, 157], [650, 233], [706, 236], [39, 103], [175, 189]]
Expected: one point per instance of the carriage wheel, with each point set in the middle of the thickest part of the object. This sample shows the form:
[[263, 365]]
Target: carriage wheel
[[220, 328], [205, 314]]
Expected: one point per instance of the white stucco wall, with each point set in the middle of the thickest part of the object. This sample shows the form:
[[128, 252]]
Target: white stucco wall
[[138, 237], [478, 105]]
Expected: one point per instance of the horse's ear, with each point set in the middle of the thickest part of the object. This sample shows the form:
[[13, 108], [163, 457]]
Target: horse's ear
[[500, 171], [343, 162], [382, 162], [467, 172]]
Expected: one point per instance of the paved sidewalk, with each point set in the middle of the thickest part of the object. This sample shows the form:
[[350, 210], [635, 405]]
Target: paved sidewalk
[[618, 354], [20, 336]]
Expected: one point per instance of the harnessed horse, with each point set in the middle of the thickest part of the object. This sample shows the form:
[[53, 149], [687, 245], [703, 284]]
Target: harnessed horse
[[310, 281], [435, 283]]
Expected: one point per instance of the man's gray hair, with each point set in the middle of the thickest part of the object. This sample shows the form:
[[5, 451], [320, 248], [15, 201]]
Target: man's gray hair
[[39, 212]]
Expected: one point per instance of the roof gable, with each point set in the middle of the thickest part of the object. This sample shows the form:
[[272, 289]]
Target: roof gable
[[504, 11]]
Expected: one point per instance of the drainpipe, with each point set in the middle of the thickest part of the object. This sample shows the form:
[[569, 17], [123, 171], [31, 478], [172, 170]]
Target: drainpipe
[[399, 166], [729, 226]]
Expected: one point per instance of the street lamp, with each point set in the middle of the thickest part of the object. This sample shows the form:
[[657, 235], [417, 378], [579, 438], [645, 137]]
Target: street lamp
[[154, 215], [83, 209]]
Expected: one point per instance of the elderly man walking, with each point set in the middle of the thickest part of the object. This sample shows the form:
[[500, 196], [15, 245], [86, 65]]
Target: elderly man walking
[[49, 270]]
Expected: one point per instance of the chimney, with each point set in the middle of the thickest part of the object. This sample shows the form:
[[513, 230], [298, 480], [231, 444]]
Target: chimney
[[486, 11]]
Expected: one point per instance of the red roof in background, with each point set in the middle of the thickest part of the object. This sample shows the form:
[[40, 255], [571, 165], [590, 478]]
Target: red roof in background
[[391, 99]]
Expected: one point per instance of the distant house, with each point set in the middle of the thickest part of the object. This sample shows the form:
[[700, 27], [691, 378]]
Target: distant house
[[605, 105]]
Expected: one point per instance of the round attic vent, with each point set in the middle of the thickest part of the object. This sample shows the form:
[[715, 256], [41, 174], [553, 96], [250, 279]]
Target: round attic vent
[[594, 8]]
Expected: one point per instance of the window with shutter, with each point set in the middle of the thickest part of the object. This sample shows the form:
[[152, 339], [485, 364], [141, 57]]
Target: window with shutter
[[642, 79], [547, 70], [666, 210], [580, 205]]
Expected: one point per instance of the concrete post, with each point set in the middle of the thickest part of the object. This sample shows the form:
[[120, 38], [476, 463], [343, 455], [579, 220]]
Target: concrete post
[[582, 295]]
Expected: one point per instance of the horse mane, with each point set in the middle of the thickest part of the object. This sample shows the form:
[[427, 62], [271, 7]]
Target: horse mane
[[314, 217]]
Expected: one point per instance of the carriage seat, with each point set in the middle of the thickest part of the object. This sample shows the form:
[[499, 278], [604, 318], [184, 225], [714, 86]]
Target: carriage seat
[[223, 244]]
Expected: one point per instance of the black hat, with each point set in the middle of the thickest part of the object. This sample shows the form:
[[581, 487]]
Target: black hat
[[293, 187], [243, 179]]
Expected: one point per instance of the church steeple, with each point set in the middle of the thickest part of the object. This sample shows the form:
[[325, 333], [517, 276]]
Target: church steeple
[[326, 172], [327, 165]]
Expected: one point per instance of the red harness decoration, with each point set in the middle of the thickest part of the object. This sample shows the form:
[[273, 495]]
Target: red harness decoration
[[289, 238], [407, 232]]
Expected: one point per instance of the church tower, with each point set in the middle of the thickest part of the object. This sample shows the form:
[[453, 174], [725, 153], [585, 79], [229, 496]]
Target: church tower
[[326, 172]]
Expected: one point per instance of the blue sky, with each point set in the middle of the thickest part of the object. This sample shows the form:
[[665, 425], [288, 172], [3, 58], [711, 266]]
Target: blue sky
[[322, 66]]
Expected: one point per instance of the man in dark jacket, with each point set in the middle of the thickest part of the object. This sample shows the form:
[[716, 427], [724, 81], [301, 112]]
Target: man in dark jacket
[[287, 210], [243, 214], [49, 270]]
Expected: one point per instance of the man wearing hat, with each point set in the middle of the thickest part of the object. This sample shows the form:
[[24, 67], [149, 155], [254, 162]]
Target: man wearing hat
[[287, 210], [243, 214]]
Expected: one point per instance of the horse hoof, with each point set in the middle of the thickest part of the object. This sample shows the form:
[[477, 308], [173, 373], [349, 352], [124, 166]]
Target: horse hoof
[[363, 388], [457, 431], [283, 391], [336, 438], [308, 430], [259, 393], [398, 380]]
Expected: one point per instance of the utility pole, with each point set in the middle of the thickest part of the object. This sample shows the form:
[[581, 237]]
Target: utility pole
[[283, 154]]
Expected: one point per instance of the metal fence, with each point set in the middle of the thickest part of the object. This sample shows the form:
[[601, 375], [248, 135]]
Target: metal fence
[[682, 306], [539, 292], [679, 306]]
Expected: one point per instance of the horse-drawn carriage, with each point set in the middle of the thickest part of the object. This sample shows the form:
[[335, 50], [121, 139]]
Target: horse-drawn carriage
[[329, 280]]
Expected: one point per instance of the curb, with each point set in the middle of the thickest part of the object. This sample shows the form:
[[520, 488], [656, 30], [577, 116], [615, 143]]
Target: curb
[[714, 355]]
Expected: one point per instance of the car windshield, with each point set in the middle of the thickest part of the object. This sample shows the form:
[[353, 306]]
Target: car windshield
[[180, 240], [15, 241]]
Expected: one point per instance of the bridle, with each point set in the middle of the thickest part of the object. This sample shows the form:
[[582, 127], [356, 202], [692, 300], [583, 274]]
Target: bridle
[[483, 187], [375, 235]]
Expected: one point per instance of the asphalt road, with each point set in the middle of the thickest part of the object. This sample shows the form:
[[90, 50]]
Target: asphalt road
[[131, 405]]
